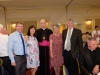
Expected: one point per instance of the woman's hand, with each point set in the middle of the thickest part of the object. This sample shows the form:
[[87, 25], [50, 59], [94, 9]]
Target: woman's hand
[[51, 56], [26, 38]]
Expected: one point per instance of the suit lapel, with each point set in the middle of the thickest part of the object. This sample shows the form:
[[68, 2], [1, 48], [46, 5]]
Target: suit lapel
[[73, 33], [65, 33], [89, 58]]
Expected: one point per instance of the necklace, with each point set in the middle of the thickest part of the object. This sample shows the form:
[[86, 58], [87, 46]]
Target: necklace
[[44, 34]]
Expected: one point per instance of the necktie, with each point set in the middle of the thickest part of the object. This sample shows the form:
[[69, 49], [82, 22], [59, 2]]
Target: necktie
[[96, 31], [68, 41], [23, 43]]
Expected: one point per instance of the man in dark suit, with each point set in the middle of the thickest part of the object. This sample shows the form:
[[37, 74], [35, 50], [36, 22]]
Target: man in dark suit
[[72, 44], [90, 58]]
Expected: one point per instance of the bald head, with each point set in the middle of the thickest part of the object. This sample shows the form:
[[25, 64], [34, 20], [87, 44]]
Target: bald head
[[43, 23]]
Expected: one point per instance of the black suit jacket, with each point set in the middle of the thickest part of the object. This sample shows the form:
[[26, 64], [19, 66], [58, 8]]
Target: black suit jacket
[[76, 41], [86, 64]]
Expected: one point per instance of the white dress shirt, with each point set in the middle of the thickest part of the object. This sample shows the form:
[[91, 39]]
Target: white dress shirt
[[3, 45], [15, 45], [94, 32], [98, 73], [65, 45]]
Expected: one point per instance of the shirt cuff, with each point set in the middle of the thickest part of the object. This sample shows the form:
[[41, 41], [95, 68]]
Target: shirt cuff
[[12, 60]]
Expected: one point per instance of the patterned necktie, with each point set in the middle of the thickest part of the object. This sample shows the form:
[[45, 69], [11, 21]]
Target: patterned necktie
[[23, 43], [68, 41]]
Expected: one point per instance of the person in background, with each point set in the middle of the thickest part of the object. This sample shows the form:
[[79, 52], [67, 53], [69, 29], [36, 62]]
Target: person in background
[[4, 52], [90, 58], [96, 34], [42, 35], [72, 45], [96, 37], [85, 38], [17, 50], [56, 49], [32, 50], [88, 35]]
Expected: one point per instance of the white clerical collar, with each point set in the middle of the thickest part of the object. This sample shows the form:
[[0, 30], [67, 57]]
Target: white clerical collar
[[43, 28], [90, 49]]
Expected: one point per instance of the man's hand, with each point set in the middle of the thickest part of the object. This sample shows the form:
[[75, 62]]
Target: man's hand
[[96, 69], [13, 64]]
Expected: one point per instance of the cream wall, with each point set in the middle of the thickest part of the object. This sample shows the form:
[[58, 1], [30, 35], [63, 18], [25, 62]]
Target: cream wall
[[53, 14], [80, 14], [2, 16]]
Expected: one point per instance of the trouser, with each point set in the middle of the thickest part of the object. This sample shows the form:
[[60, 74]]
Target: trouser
[[70, 63], [20, 68], [7, 65]]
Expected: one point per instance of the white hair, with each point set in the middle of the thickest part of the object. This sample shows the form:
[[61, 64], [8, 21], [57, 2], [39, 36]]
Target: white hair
[[1, 26]]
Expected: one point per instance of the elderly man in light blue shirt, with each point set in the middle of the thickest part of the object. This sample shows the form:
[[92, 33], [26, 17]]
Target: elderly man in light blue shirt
[[16, 50]]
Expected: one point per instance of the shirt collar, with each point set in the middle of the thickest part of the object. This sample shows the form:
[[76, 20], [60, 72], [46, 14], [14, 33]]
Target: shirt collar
[[17, 32], [71, 29], [0, 34], [90, 49], [43, 28]]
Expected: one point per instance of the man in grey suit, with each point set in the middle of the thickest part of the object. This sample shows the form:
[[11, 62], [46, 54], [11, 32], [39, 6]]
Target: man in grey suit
[[72, 45]]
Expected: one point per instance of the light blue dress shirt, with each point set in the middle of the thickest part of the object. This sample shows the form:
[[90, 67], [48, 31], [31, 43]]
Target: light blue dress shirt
[[15, 45]]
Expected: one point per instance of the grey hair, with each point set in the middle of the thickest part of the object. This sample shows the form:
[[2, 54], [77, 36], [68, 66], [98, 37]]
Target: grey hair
[[56, 25], [70, 20], [91, 39]]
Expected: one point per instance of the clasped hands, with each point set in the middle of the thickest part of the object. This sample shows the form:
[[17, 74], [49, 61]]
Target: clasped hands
[[95, 70]]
